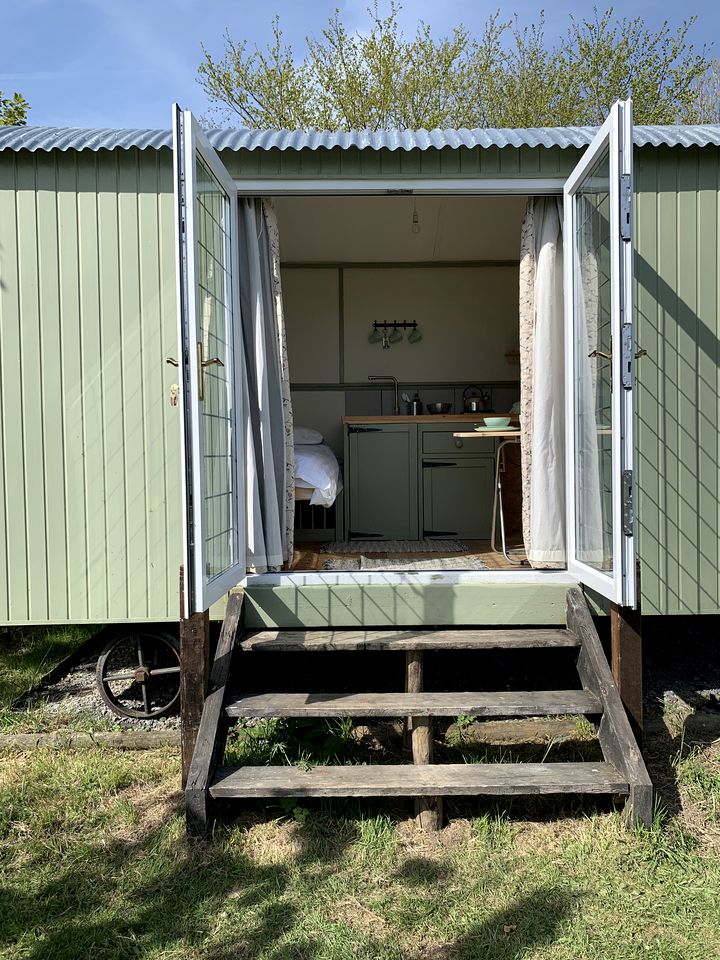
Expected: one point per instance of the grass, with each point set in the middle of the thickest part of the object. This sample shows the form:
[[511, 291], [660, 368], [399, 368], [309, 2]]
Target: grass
[[26, 655], [698, 772], [94, 863]]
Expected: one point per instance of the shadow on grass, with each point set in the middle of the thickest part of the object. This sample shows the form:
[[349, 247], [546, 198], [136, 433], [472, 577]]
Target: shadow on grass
[[154, 893], [533, 921], [130, 898]]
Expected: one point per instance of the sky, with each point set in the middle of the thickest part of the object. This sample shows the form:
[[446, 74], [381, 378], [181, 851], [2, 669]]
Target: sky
[[122, 63]]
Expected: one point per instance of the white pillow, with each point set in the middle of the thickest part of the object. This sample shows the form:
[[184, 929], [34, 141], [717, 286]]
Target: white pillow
[[307, 435]]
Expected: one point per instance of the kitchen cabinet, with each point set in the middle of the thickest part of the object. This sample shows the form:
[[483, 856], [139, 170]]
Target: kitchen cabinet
[[409, 480], [457, 497], [381, 479]]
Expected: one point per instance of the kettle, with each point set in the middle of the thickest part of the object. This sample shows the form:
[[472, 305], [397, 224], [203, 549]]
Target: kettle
[[476, 401]]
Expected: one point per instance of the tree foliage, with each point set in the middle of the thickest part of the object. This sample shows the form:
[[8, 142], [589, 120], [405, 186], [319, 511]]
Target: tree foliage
[[507, 76], [13, 110]]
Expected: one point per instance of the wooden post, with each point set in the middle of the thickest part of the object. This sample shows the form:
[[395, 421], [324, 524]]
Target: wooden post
[[626, 661], [194, 671], [428, 810]]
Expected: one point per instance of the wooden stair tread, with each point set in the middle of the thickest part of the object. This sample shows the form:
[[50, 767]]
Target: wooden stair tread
[[410, 639], [500, 704], [472, 779]]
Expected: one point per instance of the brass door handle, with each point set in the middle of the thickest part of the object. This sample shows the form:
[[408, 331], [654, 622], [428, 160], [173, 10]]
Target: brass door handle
[[202, 364], [600, 353], [172, 361]]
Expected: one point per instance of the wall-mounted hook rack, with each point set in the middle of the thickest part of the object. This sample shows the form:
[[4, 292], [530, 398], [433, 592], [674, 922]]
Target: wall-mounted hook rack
[[393, 325]]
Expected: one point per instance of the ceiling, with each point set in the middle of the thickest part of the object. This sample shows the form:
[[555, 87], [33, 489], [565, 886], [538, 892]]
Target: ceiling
[[379, 229]]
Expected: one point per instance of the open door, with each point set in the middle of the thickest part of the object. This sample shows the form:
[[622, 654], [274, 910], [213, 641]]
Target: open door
[[210, 367], [600, 362]]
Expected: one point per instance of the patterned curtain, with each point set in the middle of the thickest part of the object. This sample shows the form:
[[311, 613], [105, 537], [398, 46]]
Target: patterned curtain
[[542, 377]]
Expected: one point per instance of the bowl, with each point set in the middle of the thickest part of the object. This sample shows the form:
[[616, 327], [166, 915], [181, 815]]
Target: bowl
[[440, 408], [497, 422]]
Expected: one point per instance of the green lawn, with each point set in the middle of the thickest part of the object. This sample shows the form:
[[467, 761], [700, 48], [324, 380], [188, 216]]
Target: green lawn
[[27, 655], [94, 863]]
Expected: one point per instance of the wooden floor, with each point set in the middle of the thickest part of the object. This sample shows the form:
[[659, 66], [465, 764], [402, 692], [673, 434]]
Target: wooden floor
[[308, 556]]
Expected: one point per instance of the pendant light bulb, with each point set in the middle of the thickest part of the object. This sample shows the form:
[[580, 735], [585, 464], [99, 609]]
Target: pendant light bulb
[[415, 220]]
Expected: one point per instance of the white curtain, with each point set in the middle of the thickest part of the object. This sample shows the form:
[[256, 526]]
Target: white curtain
[[542, 383], [268, 438]]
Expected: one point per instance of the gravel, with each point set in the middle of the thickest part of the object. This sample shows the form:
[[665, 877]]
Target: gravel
[[76, 695]]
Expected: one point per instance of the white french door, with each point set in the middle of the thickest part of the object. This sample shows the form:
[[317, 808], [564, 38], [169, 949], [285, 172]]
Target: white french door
[[600, 362], [209, 338]]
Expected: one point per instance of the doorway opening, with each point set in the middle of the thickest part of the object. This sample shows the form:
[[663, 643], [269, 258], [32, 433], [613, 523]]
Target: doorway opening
[[397, 307]]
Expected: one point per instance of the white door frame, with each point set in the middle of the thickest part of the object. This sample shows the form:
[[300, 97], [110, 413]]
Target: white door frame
[[200, 591], [615, 137], [553, 186]]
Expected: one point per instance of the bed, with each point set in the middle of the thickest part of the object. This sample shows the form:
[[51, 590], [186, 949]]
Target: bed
[[317, 474], [318, 484]]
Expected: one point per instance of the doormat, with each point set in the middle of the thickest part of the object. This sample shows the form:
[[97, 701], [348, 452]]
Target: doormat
[[395, 546], [400, 564]]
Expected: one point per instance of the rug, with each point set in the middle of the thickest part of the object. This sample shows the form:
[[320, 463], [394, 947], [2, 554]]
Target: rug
[[467, 562], [395, 546]]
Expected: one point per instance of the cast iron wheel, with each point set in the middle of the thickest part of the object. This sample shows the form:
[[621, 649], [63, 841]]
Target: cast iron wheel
[[138, 674]]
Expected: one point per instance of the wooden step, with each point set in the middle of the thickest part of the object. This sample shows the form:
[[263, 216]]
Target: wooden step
[[452, 779], [411, 639], [503, 704]]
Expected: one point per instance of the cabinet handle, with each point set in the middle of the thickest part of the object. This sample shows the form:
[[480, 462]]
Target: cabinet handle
[[440, 533], [359, 535], [438, 463], [459, 444], [364, 429]]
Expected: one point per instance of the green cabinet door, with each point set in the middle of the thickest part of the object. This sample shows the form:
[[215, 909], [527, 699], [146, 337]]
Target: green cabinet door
[[457, 497], [382, 482]]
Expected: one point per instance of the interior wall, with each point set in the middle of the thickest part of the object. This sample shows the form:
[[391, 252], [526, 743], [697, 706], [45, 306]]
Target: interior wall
[[468, 317], [349, 261]]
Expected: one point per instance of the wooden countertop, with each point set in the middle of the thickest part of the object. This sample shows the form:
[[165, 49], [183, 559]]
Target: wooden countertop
[[426, 418]]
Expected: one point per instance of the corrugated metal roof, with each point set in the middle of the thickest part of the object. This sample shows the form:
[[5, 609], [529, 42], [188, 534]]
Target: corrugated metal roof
[[70, 138]]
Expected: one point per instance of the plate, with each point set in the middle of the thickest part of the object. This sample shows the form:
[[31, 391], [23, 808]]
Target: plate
[[509, 429]]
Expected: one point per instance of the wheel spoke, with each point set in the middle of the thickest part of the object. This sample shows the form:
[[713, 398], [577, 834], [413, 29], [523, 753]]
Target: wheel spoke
[[146, 697], [141, 657], [119, 676], [162, 671]]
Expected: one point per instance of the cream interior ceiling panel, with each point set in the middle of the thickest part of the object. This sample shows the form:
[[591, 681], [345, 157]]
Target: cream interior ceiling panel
[[468, 317], [380, 229], [312, 322]]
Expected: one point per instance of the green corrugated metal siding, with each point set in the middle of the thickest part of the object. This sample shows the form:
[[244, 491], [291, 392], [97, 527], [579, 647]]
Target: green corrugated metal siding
[[90, 488], [677, 227], [489, 163]]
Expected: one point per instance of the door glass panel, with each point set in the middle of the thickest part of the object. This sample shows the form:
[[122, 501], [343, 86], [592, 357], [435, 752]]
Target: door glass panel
[[215, 324], [592, 369]]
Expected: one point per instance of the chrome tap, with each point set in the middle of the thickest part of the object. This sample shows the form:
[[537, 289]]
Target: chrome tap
[[397, 401]]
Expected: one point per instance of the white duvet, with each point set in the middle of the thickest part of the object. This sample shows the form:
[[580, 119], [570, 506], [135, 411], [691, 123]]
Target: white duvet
[[317, 469]]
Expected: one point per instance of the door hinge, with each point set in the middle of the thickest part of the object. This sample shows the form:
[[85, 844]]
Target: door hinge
[[628, 356], [364, 429], [626, 206], [628, 506]]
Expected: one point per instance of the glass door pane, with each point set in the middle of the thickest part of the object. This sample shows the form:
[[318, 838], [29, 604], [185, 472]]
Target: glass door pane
[[599, 368], [592, 370], [211, 367], [215, 353]]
